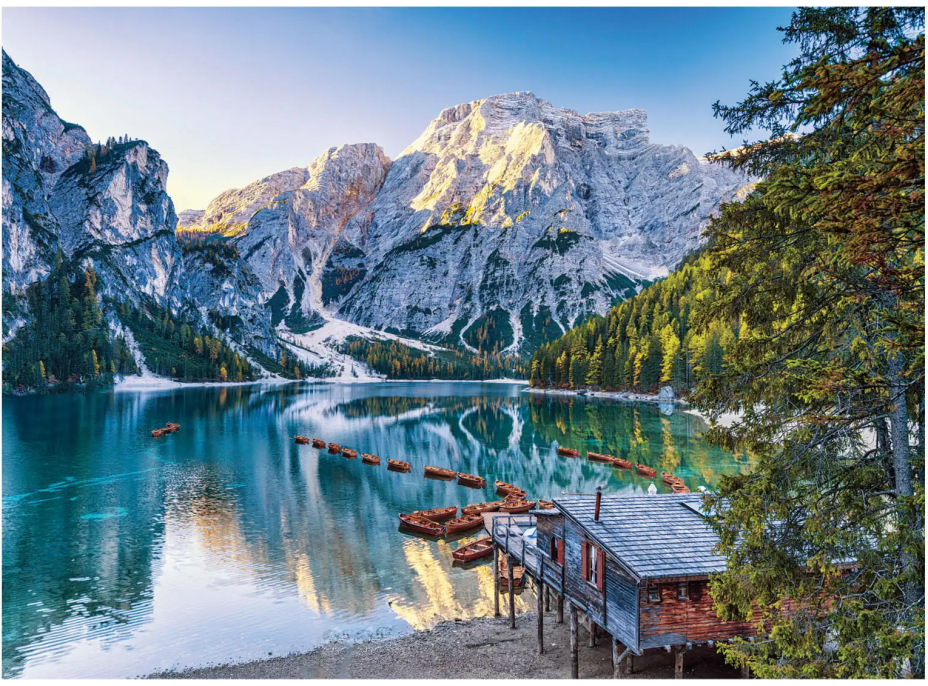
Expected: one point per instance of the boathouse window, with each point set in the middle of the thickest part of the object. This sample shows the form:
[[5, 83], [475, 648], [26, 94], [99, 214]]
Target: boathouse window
[[593, 564], [683, 591], [654, 593], [557, 550]]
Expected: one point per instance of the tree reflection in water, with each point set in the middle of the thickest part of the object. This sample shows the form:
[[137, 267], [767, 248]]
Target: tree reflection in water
[[124, 554]]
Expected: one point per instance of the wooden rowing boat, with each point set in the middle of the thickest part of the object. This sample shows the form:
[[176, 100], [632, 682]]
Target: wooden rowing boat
[[517, 494], [438, 513], [567, 452], [173, 427], [422, 524], [471, 480], [644, 470], [518, 578], [335, 448], [669, 478], [367, 458], [621, 464], [517, 506], [679, 488], [545, 505], [302, 440], [463, 523], [480, 508], [398, 465], [349, 453], [503, 488], [474, 551], [439, 473], [599, 457], [158, 433], [318, 443]]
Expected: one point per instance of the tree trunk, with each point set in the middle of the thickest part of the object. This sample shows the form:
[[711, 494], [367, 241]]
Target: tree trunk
[[913, 591]]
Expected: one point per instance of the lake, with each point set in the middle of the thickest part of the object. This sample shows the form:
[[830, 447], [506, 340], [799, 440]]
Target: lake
[[225, 542]]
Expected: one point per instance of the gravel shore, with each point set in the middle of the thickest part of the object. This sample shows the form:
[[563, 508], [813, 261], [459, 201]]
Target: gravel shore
[[474, 649]]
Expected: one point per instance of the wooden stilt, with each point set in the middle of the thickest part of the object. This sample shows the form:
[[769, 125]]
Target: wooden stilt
[[745, 672], [574, 643], [630, 665], [560, 608], [541, 617], [616, 663], [591, 625], [495, 581], [512, 594], [547, 599], [678, 662]]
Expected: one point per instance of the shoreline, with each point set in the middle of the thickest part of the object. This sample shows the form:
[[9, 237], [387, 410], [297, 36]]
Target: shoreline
[[613, 395], [482, 648]]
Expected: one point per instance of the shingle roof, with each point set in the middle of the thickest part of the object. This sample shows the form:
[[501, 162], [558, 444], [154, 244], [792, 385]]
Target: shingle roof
[[654, 536]]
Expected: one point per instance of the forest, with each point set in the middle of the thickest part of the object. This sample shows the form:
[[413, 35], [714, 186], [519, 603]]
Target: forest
[[176, 348], [398, 361], [67, 342], [645, 342]]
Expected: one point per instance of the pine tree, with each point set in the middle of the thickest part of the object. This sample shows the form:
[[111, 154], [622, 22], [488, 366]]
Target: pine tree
[[825, 263]]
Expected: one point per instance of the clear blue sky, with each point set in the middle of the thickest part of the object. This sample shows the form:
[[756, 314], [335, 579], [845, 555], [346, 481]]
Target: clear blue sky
[[230, 95]]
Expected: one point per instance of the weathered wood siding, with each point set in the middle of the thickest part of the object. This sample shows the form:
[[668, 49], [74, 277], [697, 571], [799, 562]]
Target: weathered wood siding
[[548, 526], [588, 598], [676, 622], [621, 604]]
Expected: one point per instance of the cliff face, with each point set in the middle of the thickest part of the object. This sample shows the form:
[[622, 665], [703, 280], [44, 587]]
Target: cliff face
[[506, 221], [113, 213], [37, 149]]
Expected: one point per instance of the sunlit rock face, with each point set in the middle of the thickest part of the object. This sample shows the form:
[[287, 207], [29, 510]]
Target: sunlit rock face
[[541, 215], [303, 244], [120, 217], [505, 222], [115, 215]]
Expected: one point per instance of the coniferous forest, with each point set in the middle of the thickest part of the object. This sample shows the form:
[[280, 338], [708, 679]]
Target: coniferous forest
[[645, 342], [67, 342], [398, 361]]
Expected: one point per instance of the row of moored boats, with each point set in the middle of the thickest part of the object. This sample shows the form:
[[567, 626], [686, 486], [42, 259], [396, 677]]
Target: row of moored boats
[[675, 482], [445, 521]]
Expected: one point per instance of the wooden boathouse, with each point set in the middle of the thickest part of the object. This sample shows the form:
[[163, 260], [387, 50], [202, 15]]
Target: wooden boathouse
[[636, 568]]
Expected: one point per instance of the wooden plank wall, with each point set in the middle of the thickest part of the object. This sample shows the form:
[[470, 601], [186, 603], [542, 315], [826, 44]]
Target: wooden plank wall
[[548, 526], [589, 598], [621, 604], [676, 622]]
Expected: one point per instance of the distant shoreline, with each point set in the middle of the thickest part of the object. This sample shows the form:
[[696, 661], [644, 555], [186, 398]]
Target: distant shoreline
[[149, 383], [615, 395]]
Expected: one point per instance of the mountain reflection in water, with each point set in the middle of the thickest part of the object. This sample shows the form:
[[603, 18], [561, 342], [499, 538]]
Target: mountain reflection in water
[[124, 555]]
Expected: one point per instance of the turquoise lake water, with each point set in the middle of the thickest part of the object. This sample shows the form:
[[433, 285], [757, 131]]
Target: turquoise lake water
[[124, 555]]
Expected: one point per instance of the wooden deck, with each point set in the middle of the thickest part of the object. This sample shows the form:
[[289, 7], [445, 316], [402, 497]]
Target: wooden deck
[[507, 531]]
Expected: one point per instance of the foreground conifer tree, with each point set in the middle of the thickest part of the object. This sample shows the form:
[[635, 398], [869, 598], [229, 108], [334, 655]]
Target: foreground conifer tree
[[824, 266]]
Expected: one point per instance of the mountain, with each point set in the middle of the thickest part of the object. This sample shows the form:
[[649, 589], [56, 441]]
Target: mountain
[[505, 223], [112, 211], [95, 281]]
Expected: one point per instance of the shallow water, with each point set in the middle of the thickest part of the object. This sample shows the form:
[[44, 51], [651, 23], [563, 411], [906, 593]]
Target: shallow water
[[125, 555]]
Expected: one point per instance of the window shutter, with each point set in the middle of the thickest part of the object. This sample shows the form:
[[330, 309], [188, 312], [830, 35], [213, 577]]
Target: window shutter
[[560, 551], [600, 569], [585, 559]]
